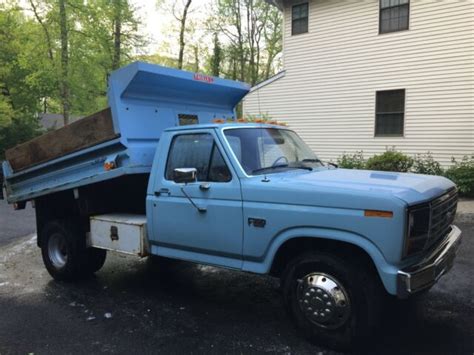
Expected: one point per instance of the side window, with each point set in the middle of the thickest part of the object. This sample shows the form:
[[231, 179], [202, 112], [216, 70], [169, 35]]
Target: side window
[[197, 151], [218, 172]]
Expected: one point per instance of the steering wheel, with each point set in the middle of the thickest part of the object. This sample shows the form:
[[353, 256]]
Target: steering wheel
[[280, 158]]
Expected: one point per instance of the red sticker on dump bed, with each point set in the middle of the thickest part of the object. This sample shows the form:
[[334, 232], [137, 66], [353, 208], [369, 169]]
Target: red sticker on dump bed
[[202, 77]]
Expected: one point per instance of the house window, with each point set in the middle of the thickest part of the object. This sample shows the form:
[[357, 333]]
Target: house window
[[389, 113], [299, 19], [394, 15]]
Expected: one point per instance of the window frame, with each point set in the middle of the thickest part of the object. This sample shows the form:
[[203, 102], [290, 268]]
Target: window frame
[[306, 3], [187, 116], [402, 135], [390, 7], [215, 146]]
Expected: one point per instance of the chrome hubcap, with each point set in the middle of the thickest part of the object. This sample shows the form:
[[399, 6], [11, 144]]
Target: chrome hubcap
[[57, 250], [323, 300]]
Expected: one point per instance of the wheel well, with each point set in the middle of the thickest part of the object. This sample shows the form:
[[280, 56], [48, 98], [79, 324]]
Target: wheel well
[[126, 194], [57, 206], [293, 247]]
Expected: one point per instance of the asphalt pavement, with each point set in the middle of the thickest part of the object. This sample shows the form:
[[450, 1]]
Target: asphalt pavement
[[14, 224], [134, 306]]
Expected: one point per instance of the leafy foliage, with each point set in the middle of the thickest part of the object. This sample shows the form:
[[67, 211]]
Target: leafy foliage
[[215, 60], [252, 33], [20, 130], [352, 161], [31, 75], [462, 174], [391, 160], [425, 164]]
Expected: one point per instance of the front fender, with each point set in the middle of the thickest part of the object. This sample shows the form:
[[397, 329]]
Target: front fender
[[386, 271]]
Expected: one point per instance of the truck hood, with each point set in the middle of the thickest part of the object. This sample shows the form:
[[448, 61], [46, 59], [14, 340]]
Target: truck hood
[[411, 188]]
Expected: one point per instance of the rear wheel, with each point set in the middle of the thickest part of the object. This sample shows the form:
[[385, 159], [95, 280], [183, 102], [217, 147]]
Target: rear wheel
[[332, 300], [94, 259], [65, 254]]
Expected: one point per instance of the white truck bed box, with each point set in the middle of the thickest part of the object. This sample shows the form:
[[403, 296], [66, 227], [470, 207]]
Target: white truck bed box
[[125, 233]]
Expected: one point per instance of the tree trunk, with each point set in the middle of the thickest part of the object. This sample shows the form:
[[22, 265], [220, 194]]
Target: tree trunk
[[238, 25], [181, 34], [196, 58], [45, 30], [64, 61], [216, 56], [117, 34]]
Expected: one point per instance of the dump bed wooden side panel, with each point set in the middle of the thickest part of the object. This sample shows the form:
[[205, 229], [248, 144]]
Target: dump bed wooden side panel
[[87, 132]]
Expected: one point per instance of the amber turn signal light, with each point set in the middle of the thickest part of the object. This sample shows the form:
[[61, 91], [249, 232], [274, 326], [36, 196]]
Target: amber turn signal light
[[375, 213], [109, 165]]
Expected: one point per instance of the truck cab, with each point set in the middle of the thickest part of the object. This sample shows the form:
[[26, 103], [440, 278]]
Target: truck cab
[[246, 196]]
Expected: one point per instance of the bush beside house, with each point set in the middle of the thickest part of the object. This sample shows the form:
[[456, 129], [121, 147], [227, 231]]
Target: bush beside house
[[460, 172]]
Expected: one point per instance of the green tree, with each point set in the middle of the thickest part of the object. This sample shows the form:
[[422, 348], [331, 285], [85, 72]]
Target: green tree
[[56, 55], [24, 79], [64, 76], [252, 29], [215, 60]]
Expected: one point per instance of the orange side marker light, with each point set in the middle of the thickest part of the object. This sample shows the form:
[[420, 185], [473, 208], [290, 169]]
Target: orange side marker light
[[375, 213]]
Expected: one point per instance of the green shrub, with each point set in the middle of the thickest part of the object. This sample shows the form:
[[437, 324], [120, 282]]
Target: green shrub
[[20, 130], [425, 164], [352, 161], [462, 174], [391, 160]]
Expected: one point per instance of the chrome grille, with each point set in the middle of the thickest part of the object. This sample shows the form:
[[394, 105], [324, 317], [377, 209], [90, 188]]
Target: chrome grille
[[443, 212]]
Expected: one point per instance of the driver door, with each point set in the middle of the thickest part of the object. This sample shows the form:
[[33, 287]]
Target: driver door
[[213, 235]]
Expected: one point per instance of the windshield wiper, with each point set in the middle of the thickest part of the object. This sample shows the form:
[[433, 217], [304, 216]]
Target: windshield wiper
[[312, 160], [282, 166]]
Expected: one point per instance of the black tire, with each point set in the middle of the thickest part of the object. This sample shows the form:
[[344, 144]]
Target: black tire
[[64, 252], [94, 260], [353, 311]]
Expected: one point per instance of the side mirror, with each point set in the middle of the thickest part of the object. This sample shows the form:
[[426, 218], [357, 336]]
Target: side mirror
[[184, 175]]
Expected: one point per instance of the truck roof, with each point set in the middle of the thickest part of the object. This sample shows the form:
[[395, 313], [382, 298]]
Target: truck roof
[[224, 125]]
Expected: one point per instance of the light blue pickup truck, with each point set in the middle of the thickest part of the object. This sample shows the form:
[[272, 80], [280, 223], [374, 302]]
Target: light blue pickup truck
[[155, 175]]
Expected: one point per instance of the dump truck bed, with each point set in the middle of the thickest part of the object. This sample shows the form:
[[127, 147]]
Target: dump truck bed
[[82, 134], [144, 100]]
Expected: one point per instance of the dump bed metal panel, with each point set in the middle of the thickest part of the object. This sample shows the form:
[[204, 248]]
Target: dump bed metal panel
[[84, 133], [144, 100]]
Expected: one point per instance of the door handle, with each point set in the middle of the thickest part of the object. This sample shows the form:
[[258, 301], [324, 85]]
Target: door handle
[[162, 191], [204, 186]]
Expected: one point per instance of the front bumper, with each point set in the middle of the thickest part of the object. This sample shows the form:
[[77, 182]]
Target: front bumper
[[427, 272]]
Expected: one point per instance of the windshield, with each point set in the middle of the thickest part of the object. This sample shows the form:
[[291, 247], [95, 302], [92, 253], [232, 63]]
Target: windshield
[[263, 150]]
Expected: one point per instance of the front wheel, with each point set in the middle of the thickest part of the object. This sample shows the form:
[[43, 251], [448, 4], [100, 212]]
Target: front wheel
[[64, 252], [332, 300]]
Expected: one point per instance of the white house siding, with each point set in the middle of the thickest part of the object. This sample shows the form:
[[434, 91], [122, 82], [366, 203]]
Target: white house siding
[[333, 72]]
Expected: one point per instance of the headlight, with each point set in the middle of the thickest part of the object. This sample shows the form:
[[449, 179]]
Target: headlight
[[417, 230]]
